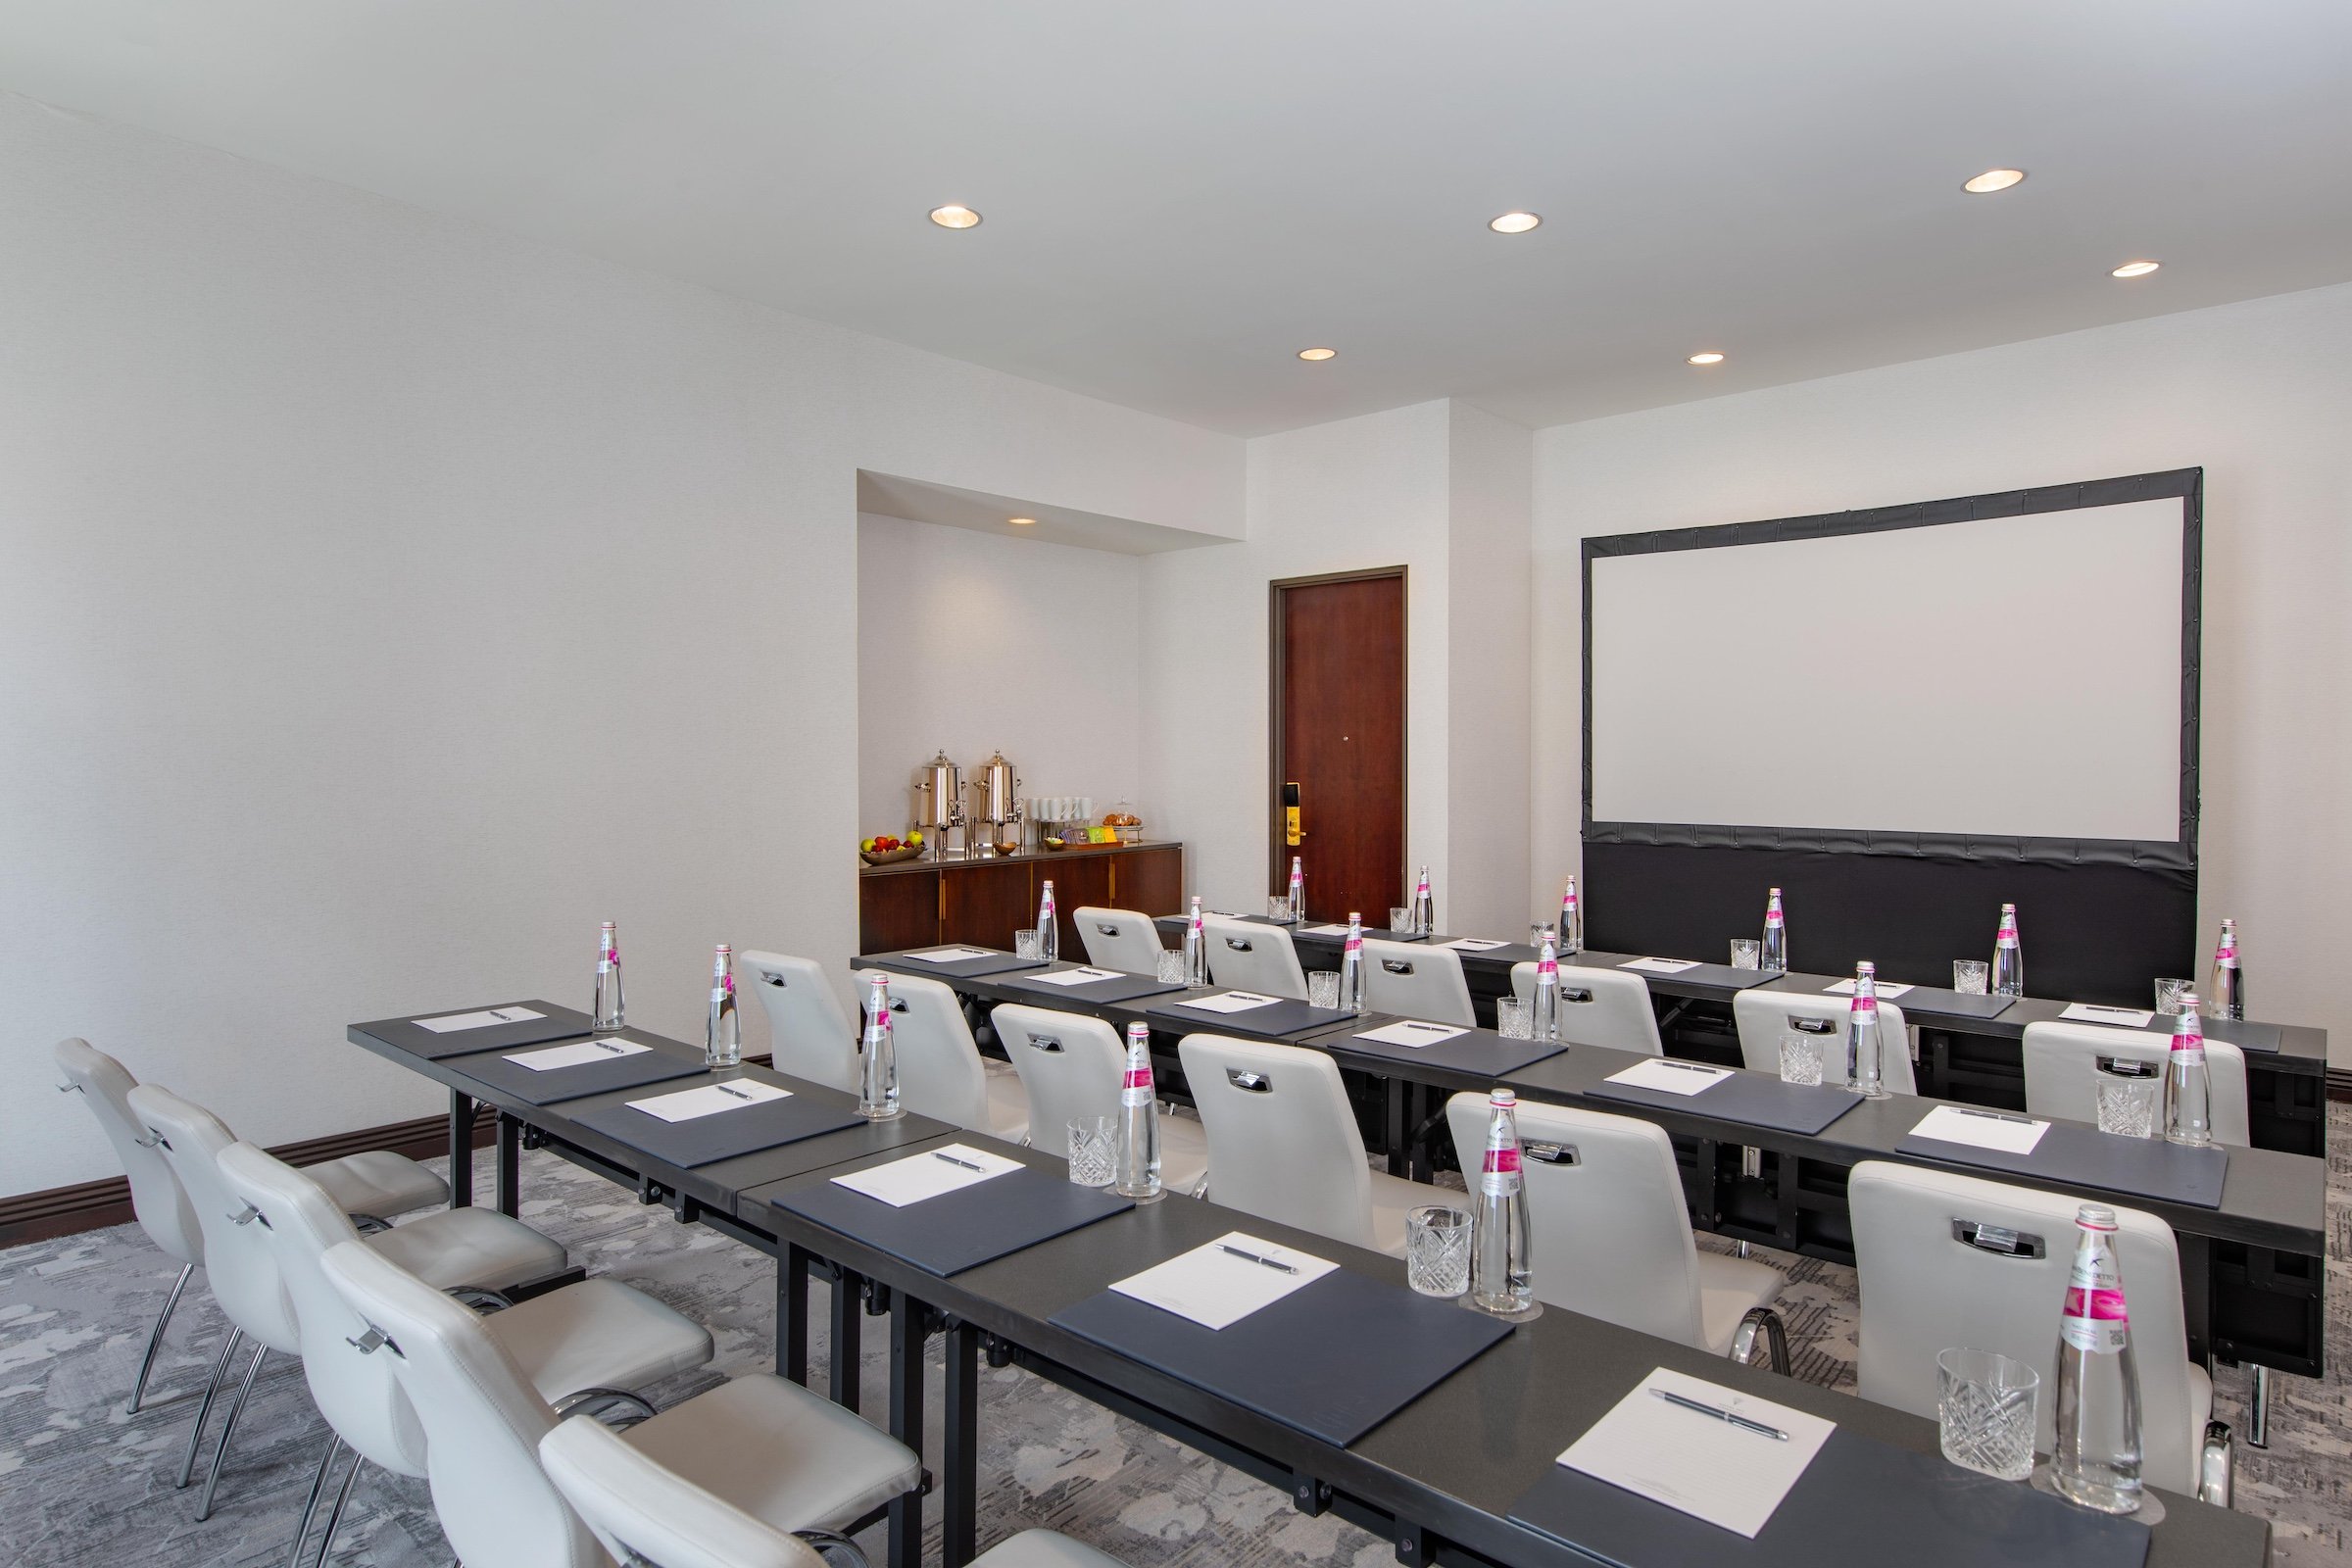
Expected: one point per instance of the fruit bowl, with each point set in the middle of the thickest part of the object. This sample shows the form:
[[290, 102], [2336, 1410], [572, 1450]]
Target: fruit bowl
[[905, 851]]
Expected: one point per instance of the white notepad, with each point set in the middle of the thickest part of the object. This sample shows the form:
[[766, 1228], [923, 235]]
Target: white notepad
[[1697, 1463], [1661, 965], [1221, 1283], [949, 1168], [478, 1020], [691, 1104], [952, 954], [1669, 1076], [1232, 1001], [1323, 930], [578, 1054], [1886, 990], [2125, 1017], [1982, 1129], [1073, 977], [1474, 944], [1411, 1032]]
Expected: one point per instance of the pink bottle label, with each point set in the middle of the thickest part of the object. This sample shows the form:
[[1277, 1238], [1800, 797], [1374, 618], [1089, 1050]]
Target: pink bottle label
[[2186, 1041], [2229, 954], [1502, 1160], [1137, 1078], [727, 983], [1548, 967], [1772, 917], [2096, 1320]]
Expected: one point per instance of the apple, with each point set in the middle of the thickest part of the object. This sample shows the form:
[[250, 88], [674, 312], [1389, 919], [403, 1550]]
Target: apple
[[915, 839], [867, 846]]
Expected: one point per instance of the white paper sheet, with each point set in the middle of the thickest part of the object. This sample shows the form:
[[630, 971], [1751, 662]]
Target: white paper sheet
[[1072, 977], [1331, 931], [929, 1174], [2123, 1018], [1661, 965], [1696, 1463], [578, 1054], [1474, 944], [1413, 1032], [1216, 1287], [952, 954], [1887, 990], [478, 1020], [1669, 1076], [690, 1105], [1231, 1001], [1982, 1129]]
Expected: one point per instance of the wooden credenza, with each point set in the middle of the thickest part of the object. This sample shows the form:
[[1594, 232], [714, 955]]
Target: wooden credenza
[[916, 904]]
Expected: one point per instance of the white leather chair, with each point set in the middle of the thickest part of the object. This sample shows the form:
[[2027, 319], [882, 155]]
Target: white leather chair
[[808, 1036], [1072, 1067], [484, 1247], [644, 1512], [1119, 939], [1928, 1284], [1611, 1235], [1416, 981], [594, 1334], [1600, 1007], [940, 1071], [378, 1183], [1246, 956], [1285, 1146], [778, 1452], [1763, 1016], [2064, 1062]]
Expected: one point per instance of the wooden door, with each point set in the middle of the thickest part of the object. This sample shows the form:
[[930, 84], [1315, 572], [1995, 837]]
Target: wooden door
[[1338, 735]]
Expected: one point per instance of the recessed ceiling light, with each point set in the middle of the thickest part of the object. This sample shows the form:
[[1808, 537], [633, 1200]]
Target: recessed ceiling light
[[1513, 222], [1022, 523], [954, 217], [1710, 357], [1993, 179], [1318, 353], [2135, 269]]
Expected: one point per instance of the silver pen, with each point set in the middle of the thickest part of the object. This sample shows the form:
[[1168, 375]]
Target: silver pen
[[1689, 1066], [1253, 1258], [1739, 1421], [724, 1090], [953, 1160], [1995, 1116]]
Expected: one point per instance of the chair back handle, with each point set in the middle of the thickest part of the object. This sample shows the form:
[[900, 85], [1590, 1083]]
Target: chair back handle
[[1998, 1239], [1256, 1083], [1553, 1153], [1574, 994], [1237, 943], [1811, 1026], [1045, 1042], [1397, 966]]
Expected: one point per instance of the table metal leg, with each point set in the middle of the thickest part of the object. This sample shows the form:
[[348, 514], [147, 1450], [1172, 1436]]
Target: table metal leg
[[847, 1328], [509, 1164], [2258, 1409], [461, 1149], [1395, 1117], [792, 1314], [959, 1529], [908, 1322]]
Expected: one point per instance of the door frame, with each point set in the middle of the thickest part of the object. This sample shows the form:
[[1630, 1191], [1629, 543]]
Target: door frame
[[1278, 869]]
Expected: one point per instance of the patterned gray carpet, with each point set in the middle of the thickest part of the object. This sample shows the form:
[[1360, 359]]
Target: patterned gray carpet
[[81, 1483]]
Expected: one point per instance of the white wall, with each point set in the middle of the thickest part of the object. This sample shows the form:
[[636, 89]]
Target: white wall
[[1490, 491], [383, 602], [2258, 394], [981, 642]]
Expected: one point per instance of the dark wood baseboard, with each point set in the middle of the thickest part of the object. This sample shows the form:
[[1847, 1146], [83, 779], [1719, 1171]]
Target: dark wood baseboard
[[93, 1206]]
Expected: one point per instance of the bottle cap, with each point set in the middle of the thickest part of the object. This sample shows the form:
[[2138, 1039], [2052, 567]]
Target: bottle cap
[[2008, 909], [723, 948], [1865, 967], [1139, 1030], [2188, 1002], [607, 926], [2095, 1217], [1502, 1097], [1775, 892]]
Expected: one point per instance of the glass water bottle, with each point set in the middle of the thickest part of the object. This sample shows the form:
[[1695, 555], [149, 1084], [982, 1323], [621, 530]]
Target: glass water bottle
[[1425, 905], [1501, 1252], [878, 1056], [1572, 921], [1352, 965], [1195, 949], [2008, 956], [1775, 960], [1297, 888], [2187, 1087], [1545, 1021], [1048, 929], [1865, 1040], [2096, 1458], [2226, 996], [722, 1041], [610, 1010], [1138, 1151]]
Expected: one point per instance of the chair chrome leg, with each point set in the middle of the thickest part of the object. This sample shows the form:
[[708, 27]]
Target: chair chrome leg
[[155, 1339], [310, 1509], [236, 1408], [334, 1517], [204, 1411], [2217, 1467], [1764, 1320], [2258, 1409]]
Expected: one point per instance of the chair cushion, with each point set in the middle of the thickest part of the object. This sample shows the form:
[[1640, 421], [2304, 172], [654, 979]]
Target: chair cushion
[[780, 1454], [379, 1183], [597, 1334], [1392, 1197], [1007, 1106], [1042, 1548], [1728, 1288], [469, 1246]]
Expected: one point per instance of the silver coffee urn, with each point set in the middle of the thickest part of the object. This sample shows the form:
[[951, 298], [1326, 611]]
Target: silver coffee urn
[[939, 804], [996, 794]]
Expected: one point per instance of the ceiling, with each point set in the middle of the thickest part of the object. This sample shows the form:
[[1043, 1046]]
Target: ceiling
[[948, 506], [1179, 196]]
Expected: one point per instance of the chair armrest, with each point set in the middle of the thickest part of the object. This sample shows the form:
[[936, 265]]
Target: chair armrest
[[598, 1402]]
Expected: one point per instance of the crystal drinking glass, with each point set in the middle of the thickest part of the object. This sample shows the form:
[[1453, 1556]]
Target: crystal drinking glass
[[2127, 1106], [2169, 993], [1171, 968], [1984, 1413], [1437, 1250], [1091, 1142], [1024, 943], [1747, 953], [1278, 907], [1323, 987], [1971, 977], [1401, 920], [1801, 1058], [1512, 1020]]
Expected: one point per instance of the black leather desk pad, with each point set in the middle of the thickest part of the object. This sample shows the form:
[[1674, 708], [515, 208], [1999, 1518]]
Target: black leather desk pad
[[2244, 1032], [1332, 1360], [964, 1229], [1933, 999], [705, 1141], [1283, 1019], [1859, 1502], [1758, 1099], [536, 1087], [2071, 1155], [1721, 976], [994, 962], [1480, 1053], [1312, 931], [559, 1023], [1124, 988]]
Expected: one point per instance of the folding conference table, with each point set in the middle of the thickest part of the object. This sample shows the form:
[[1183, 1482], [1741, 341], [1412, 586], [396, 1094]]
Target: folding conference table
[[1441, 1478]]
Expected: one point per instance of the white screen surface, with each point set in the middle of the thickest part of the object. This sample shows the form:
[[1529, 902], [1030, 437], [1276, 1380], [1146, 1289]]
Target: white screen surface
[[2013, 676]]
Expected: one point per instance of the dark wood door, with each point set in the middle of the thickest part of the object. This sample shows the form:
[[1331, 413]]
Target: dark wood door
[[1338, 735], [1078, 880]]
